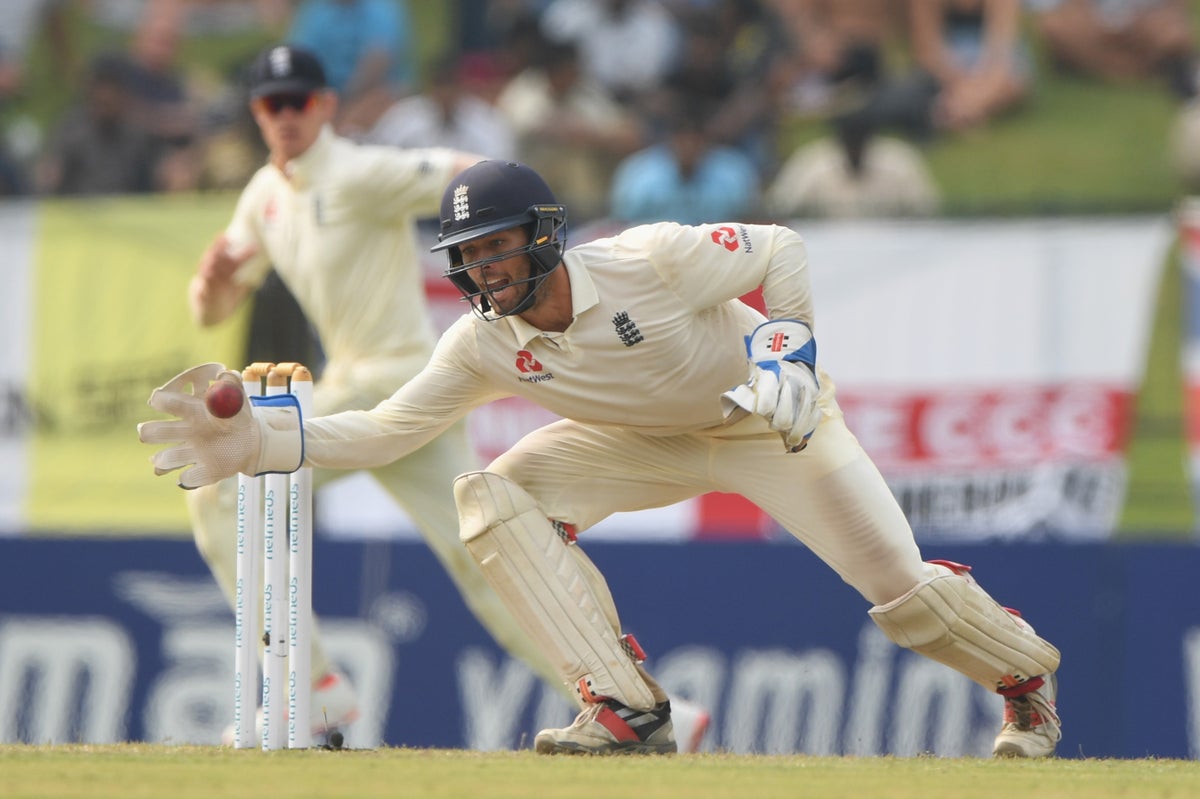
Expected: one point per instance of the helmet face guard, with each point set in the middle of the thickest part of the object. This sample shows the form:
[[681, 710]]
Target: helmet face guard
[[492, 196], [545, 248]]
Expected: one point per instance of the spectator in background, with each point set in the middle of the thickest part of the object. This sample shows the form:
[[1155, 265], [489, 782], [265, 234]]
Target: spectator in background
[[485, 25], [972, 65], [686, 178], [853, 173], [839, 47], [626, 46], [513, 43], [21, 22], [1121, 41], [569, 128], [975, 55], [12, 176], [98, 147], [232, 148], [1185, 145], [733, 62], [159, 98], [367, 49], [238, 16], [446, 115]]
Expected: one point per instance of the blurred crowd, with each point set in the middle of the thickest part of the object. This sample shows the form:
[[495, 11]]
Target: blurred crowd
[[635, 110]]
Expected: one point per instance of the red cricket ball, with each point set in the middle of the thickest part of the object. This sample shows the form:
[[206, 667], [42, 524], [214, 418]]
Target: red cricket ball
[[223, 399]]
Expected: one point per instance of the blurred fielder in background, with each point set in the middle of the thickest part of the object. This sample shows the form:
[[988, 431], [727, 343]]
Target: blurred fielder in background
[[337, 223], [636, 340]]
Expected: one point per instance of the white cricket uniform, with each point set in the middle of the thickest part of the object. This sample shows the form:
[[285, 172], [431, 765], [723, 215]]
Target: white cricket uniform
[[657, 336], [339, 229]]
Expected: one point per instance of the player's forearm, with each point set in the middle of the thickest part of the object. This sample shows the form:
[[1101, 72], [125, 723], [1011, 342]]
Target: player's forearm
[[787, 290], [361, 440], [419, 411]]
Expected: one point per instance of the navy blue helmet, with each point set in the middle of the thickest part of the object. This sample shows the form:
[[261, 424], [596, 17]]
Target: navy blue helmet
[[497, 195]]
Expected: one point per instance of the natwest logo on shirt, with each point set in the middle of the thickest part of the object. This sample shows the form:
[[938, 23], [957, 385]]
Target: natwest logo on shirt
[[729, 237], [726, 237], [527, 363], [531, 368]]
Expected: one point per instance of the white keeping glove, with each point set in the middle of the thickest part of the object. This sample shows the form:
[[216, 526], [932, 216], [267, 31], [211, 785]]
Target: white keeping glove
[[783, 386], [267, 439]]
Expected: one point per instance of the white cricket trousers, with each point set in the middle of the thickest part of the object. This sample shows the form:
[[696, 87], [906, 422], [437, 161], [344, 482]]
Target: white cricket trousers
[[830, 496]]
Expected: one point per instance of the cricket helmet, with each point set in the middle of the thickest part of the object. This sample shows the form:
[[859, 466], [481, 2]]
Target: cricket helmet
[[497, 195]]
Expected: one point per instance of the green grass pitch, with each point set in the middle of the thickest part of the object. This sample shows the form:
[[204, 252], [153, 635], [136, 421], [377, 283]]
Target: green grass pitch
[[131, 771]]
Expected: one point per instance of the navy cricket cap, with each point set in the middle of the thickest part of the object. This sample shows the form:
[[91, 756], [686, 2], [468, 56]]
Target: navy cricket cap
[[285, 68]]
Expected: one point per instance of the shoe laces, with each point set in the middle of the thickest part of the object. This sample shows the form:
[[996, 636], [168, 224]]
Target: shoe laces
[[588, 714], [1034, 712]]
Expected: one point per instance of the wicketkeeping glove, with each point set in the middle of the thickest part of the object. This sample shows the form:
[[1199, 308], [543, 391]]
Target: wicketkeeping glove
[[269, 438], [783, 385]]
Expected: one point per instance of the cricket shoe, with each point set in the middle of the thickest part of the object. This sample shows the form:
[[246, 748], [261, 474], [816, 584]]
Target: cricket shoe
[[610, 728], [1031, 725], [690, 722], [333, 707]]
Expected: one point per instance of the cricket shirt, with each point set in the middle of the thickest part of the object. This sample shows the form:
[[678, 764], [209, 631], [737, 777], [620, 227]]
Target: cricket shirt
[[657, 336]]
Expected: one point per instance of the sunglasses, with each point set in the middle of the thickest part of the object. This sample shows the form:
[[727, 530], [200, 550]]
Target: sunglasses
[[297, 101]]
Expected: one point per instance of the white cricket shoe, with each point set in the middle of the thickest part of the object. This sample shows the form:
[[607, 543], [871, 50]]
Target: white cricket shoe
[[691, 723], [333, 706], [610, 728], [1031, 724]]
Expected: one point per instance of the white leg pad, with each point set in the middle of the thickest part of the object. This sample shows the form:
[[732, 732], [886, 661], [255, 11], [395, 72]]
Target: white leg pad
[[555, 592], [950, 619]]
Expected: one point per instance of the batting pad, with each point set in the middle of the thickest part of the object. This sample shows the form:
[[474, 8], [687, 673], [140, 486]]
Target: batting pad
[[555, 592], [950, 619]]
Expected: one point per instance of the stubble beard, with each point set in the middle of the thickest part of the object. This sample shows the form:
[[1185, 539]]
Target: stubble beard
[[518, 295]]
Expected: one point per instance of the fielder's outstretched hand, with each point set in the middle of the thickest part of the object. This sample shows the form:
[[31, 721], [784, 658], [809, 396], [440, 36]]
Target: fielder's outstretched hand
[[250, 442], [783, 386]]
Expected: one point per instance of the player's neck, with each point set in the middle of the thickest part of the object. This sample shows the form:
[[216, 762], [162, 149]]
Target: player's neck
[[553, 312]]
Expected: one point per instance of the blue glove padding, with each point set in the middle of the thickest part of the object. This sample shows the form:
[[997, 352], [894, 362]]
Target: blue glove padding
[[275, 401], [783, 385]]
